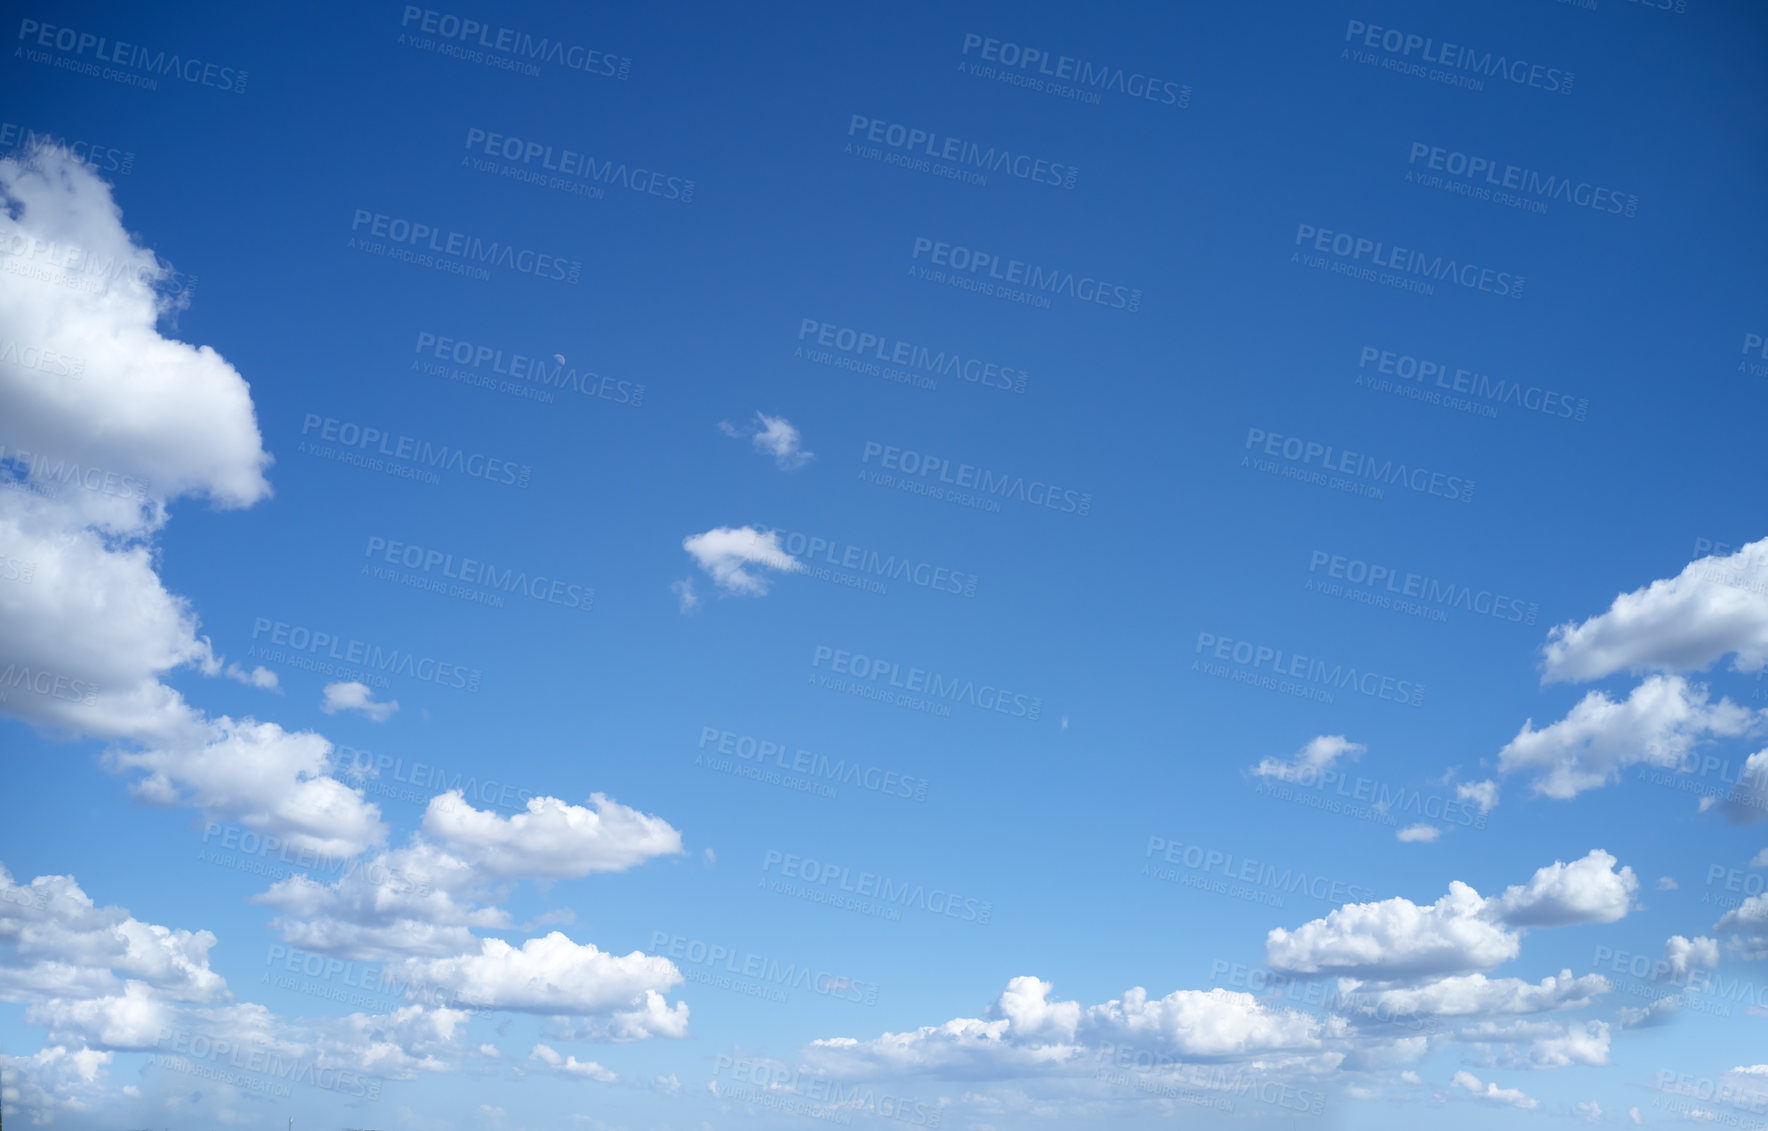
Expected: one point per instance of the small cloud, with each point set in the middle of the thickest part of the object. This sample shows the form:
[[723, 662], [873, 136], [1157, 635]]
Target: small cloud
[[258, 677], [685, 595], [1064, 722], [1760, 859], [1481, 793], [354, 695], [711, 856], [775, 436], [1665, 883], [1311, 760], [1633, 1114], [727, 552], [559, 357], [1418, 834], [489, 1050]]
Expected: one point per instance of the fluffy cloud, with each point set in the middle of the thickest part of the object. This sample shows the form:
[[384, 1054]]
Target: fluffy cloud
[[1559, 895], [354, 695], [91, 465], [553, 975], [552, 839], [1659, 723], [571, 1066], [726, 554], [1418, 834], [1027, 1033], [1579, 1044], [1510, 1097], [1684, 955], [775, 436], [1461, 932], [1482, 793], [1476, 995], [1312, 760], [1715, 607]]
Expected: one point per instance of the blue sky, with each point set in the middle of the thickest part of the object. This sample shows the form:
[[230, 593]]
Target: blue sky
[[1203, 349]]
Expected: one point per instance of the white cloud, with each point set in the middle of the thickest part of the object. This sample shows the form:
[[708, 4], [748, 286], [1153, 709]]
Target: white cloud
[[553, 975], [571, 1066], [1482, 793], [1312, 760], [1584, 891], [1396, 937], [726, 554], [775, 436], [1667, 883], [1683, 955], [1589, 1110], [1493, 1093], [260, 677], [1659, 723], [53, 1081], [1418, 834], [1460, 932], [1026, 1033], [1580, 1044], [551, 839], [94, 464], [1476, 995], [685, 595], [262, 777], [354, 695], [1749, 920], [1715, 607]]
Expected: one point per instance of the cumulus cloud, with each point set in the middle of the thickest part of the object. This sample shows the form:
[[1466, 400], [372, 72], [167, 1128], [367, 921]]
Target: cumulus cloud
[[775, 436], [1509, 1097], [1659, 723], [1584, 891], [1312, 760], [88, 470], [1476, 995], [1482, 793], [1715, 607], [571, 1066], [551, 839], [1585, 1044], [727, 554], [554, 975], [1418, 834], [1684, 955], [354, 695], [1460, 932], [1027, 1033]]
